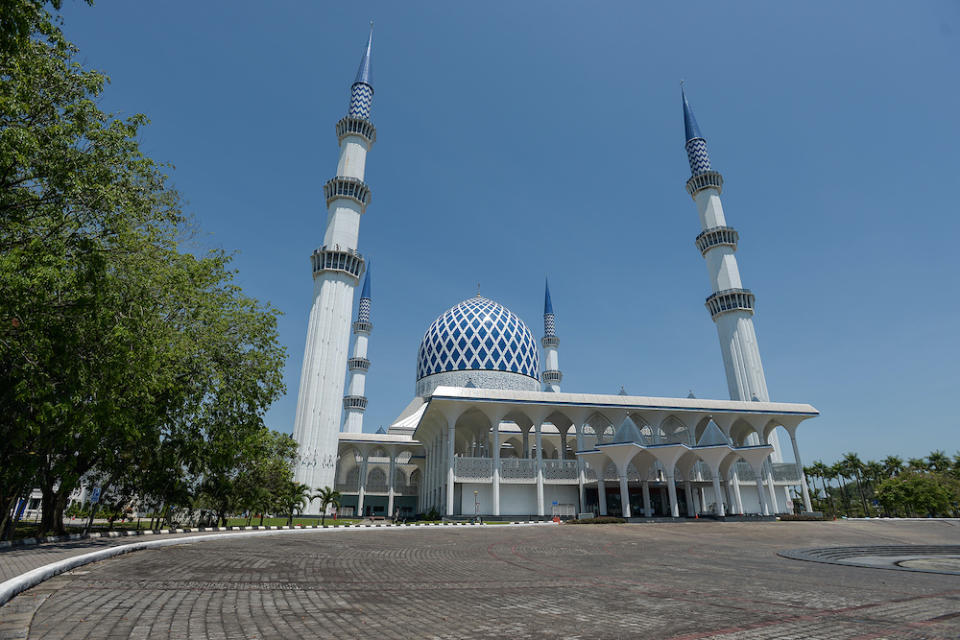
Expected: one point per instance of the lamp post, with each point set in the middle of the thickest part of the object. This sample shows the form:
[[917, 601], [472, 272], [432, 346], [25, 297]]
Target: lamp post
[[476, 505]]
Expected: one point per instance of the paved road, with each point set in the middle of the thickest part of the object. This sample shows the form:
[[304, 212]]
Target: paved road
[[689, 580]]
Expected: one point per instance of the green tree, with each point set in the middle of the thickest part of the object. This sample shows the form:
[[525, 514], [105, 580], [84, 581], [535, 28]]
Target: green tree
[[119, 354], [917, 493]]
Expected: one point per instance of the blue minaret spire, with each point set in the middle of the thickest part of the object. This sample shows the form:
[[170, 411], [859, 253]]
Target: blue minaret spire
[[363, 314], [695, 144], [361, 93], [549, 320]]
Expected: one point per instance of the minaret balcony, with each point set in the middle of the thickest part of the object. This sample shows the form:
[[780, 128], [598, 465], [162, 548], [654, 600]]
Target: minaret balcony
[[730, 300], [343, 260], [349, 188], [551, 376], [358, 364], [354, 403], [705, 180], [362, 327], [350, 126], [716, 237], [550, 341]]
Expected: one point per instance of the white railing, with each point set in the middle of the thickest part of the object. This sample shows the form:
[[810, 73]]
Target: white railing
[[517, 468], [559, 469], [472, 468]]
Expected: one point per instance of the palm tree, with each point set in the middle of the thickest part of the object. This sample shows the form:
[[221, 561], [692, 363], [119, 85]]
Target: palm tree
[[917, 464], [938, 461], [829, 473], [293, 497], [818, 470], [839, 470], [874, 471], [892, 466], [328, 498], [855, 464]]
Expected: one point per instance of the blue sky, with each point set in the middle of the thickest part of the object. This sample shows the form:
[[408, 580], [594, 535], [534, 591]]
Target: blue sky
[[517, 140]]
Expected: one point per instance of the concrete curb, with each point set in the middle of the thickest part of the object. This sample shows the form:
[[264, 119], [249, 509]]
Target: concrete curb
[[17, 584], [26, 542]]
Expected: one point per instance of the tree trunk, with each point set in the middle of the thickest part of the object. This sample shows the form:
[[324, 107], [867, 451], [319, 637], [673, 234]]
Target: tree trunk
[[863, 499], [843, 496]]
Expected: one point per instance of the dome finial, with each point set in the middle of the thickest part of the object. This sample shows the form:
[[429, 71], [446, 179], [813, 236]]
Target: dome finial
[[365, 72]]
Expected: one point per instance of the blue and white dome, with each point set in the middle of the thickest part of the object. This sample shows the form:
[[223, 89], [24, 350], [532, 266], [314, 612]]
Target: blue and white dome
[[481, 343]]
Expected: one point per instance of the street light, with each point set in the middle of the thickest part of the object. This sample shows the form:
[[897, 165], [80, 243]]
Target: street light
[[476, 505]]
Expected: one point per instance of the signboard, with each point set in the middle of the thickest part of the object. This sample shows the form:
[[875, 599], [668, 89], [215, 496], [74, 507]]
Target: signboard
[[95, 495], [20, 509], [555, 503]]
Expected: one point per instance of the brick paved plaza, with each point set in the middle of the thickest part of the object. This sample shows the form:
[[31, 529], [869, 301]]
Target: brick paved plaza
[[685, 580]]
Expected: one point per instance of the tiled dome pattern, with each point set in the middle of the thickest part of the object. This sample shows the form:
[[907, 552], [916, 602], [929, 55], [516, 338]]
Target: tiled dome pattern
[[478, 334]]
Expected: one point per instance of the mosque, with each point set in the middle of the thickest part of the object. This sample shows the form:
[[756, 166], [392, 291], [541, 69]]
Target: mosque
[[490, 432]]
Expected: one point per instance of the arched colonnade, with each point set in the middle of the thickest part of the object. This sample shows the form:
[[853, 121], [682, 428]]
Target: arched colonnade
[[561, 443]]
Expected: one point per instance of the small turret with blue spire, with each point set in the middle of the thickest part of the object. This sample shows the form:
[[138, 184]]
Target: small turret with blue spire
[[549, 320], [695, 144], [355, 402], [551, 376], [361, 93], [363, 314]]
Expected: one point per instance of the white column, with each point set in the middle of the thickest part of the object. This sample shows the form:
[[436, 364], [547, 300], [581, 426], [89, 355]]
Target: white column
[[540, 511], [363, 485], [803, 477], [764, 509], [688, 490], [624, 496], [772, 489], [672, 491], [451, 440], [718, 494], [581, 474], [601, 493], [647, 509], [391, 489], [496, 468], [736, 491], [563, 445], [526, 444]]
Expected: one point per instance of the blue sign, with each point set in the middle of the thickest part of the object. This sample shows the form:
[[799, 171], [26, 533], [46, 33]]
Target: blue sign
[[20, 509], [95, 495], [555, 503]]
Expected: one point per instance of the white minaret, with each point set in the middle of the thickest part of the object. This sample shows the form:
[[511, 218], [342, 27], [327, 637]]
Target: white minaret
[[355, 403], [730, 304], [551, 376], [337, 267]]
